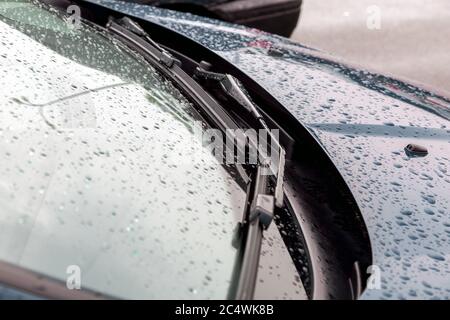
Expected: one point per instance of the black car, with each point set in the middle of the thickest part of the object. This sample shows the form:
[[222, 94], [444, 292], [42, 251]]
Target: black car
[[134, 163]]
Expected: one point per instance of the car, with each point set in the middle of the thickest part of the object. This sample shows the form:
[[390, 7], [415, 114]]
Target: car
[[275, 16], [154, 154]]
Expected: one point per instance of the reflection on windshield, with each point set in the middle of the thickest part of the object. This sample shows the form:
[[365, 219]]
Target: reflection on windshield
[[94, 172]]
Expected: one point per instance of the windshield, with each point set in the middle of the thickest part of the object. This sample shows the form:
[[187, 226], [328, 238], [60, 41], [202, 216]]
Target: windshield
[[95, 170]]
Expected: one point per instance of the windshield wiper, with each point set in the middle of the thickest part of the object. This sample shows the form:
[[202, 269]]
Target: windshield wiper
[[265, 186], [262, 196], [132, 34], [150, 47], [233, 89]]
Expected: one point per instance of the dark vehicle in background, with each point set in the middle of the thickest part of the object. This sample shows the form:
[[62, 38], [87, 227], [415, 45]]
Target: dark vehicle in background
[[99, 186], [275, 16]]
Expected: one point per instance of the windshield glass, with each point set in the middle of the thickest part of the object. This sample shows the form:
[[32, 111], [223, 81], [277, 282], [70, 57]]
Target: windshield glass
[[95, 169]]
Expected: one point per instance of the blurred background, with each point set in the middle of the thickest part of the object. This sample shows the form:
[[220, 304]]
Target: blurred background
[[408, 38]]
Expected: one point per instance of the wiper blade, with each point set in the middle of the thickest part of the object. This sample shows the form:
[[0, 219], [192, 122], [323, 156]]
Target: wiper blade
[[149, 46], [132, 34], [234, 89], [262, 196]]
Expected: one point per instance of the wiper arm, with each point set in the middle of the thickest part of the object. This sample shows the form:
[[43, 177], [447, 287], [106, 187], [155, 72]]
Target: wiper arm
[[258, 216], [151, 47], [234, 89], [130, 33], [262, 196]]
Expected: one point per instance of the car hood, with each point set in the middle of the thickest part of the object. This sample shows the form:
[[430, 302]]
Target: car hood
[[363, 121]]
